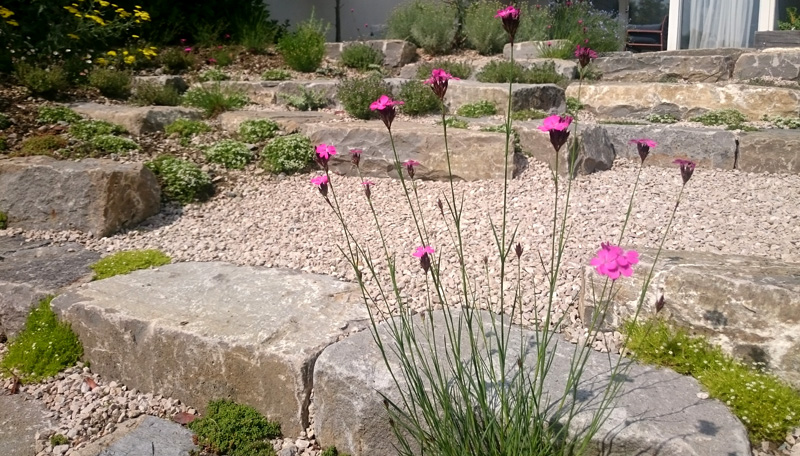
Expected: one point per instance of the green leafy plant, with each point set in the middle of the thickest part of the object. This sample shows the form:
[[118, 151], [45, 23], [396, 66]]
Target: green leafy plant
[[504, 71], [213, 74], [276, 74], [528, 114], [221, 56], [214, 99], [5, 122], [662, 118], [3, 220], [258, 130], [727, 117], [186, 128], [455, 122], [154, 94], [581, 21], [419, 98], [44, 348], [361, 56], [258, 33], [485, 36], [793, 22], [181, 180], [331, 71], [559, 50], [481, 108], [125, 262], [307, 100], [48, 83], [332, 451], [767, 406], [787, 123], [574, 106], [235, 430], [357, 93], [427, 24], [176, 61], [229, 153], [46, 145], [58, 439], [111, 83], [461, 70], [287, 154], [109, 144], [55, 114], [88, 129], [304, 49]]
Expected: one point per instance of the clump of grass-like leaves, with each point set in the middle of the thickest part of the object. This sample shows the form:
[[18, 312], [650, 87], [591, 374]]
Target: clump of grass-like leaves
[[128, 261]]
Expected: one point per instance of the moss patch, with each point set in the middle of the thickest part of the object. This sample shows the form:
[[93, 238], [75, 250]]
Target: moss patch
[[125, 262], [235, 430]]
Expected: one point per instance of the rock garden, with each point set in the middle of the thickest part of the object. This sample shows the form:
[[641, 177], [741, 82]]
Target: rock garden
[[491, 232]]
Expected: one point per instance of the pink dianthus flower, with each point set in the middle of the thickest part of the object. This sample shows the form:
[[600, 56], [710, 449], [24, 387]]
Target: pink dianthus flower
[[611, 261]]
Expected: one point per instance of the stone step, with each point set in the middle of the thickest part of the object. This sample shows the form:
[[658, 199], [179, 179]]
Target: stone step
[[396, 53], [289, 121], [20, 420], [146, 435], [770, 63], [273, 92], [137, 119], [695, 65], [657, 411], [203, 331]]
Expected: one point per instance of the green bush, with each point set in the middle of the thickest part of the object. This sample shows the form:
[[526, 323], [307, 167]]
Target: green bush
[[287, 154], [154, 94], [276, 74], [560, 50], [41, 145], [483, 34], [258, 130], [55, 114], [455, 122], [176, 60], [728, 117], [427, 24], [3, 220], [505, 71], [88, 129], [258, 33], [125, 262], [356, 94], [533, 22], [58, 439], [221, 57], [304, 49], [5, 122], [215, 99], [44, 348], [181, 180], [361, 56], [111, 83], [528, 114], [461, 70], [419, 98], [332, 451], [46, 83], [186, 128], [602, 30], [213, 74], [482, 108], [230, 154], [109, 144], [307, 100], [235, 430]]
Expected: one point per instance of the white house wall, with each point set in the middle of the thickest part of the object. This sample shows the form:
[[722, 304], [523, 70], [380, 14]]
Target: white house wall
[[370, 12]]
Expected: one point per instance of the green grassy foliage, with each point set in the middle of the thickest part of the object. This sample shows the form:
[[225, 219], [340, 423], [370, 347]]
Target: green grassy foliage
[[214, 99], [461, 70], [129, 261], [287, 154], [479, 109], [258, 130], [55, 114], [229, 153], [181, 180], [235, 430]]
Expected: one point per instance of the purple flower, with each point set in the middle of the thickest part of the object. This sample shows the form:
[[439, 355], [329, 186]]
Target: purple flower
[[558, 127], [612, 261], [438, 82], [687, 168], [423, 253], [584, 55], [510, 17], [322, 184], [323, 153], [386, 109], [643, 146], [410, 164], [355, 156]]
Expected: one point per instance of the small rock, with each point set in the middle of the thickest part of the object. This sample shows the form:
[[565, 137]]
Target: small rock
[[702, 395], [301, 444], [60, 449], [289, 450]]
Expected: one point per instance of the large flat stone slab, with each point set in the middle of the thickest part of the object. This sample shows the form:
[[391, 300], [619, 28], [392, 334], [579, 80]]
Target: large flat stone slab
[[545, 97], [137, 119], [621, 99], [595, 152], [146, 435], [289, 121], [770, 151], [749, 306], [20, 420], [772, 63], [203, 331], [474, 155], [396, 53], [274, 92], [697, 65], [97, 196], [31, 270], [657, 411]]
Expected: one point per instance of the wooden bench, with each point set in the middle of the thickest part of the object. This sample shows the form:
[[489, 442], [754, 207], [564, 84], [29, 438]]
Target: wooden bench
[[649, 37]]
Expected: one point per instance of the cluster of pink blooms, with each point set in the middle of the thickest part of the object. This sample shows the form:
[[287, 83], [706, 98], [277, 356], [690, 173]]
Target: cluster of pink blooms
[[611, 261]]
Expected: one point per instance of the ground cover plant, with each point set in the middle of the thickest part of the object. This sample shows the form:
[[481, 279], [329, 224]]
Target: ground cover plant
[[306, 100], [662, 118], [213, 74], [304, 49], [528, 114], [235, 430], [787, 123], [287, 154], [3, 220], [503, 71], [454, 122], [102, 145], [229, 153], [47, 83], [418, 98], [276, 75], [186, 128], [361, 56], [357, 93], [181, 180], [153, 94], [481, 108], [125, 262], [56, 113], [215, 99], [111, 83], [44, 348], [258, 130], [88, 129], [727, 117], [46, 145]]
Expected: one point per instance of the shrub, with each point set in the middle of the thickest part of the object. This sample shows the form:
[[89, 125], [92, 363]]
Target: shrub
[[181, 180], [235, 429], [729, 117], [560, 50], [460, 70], [484, 35], [221, 57], [58, 439], [662, 118], [528, 114], [504, 71], [55, 114], [109, 144], [186, 128], [332, 451], [229, 153], [287, 154], [154, 94], [482, 108], [88, 129], [5, 122], [419, 98], [215, 99], [213, 74], [304, 49], [258, 130], [176, 61], [307, 100], [44, 348], [533, 22], [41, 145], [3, 220], [111, 83], [276, 74], [603, 31], [356, 94], [46, 83], [125, 262], [427, 24], [258, 33], [361, 56]]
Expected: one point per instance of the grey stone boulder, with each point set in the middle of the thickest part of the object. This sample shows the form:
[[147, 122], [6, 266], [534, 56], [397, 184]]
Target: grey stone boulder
[[325, 88], [697, 65], [773, 63], [770, 151], [289, 121], [175, 81], [259, 92], [97, 196], [204, 331], [656, 412], [708, 147], [20, 420], [137, 119], [530, 49], [396, 53], [31, 270], [595, 153], [474, 155], [545, 97], [749, 306], [146, 435], [566, 68]]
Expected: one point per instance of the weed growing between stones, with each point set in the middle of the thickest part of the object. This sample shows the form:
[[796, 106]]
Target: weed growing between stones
[[287, 154], [235, 430], [460, 70], [481, 108], [181, 180], [87, 129], [465, 386], [44, 348], [58, 439], [56, 113], [229, 153], [276, 75], [307, 100], [361, 56], [662, 118], [332, 451], [620, 122], [3, 144], [125, 262], [258, 130], [3, 220], [304, 49], [786, 123], [215, 99], [502, 71], [154, 94], [768, 407]]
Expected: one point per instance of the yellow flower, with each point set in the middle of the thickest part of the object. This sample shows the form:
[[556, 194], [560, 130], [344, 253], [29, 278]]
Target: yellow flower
[[78, 15], [104, 3], [138, 7], [112, 53], [5, 12], [71, 9], [134, 36], [101, 61], [12, 22], [130, 59], [124, 52], [73, 36]]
